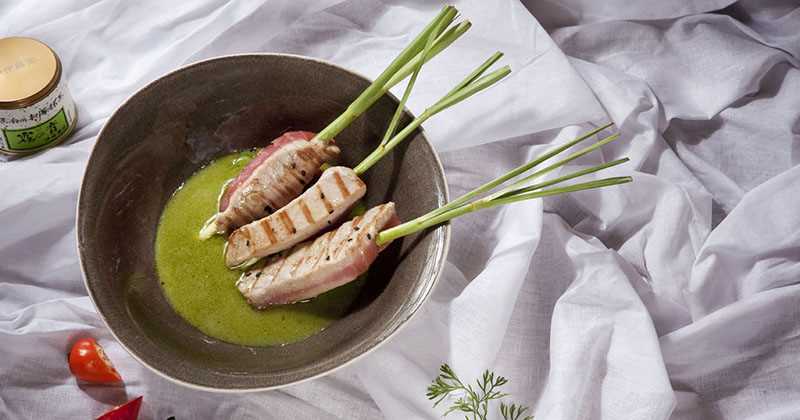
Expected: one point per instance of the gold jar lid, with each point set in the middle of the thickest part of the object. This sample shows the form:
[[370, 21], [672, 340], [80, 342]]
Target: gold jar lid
[[29, 70]]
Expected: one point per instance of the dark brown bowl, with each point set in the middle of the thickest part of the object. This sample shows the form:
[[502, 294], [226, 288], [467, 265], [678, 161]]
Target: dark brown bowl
[[172, 127]]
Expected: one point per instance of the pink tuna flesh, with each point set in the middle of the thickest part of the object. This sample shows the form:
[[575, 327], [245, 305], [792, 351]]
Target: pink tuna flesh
[[286, 138]]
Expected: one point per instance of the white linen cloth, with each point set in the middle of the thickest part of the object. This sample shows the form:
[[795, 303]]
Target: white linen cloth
[[675, 296]]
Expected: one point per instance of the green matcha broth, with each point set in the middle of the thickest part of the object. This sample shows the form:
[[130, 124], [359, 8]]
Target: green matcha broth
[[202, 290]]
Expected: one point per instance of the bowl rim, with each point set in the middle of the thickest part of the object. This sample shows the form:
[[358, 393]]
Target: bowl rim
[[441, 259]]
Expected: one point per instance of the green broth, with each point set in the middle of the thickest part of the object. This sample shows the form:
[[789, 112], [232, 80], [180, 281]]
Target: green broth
[[202, 290]]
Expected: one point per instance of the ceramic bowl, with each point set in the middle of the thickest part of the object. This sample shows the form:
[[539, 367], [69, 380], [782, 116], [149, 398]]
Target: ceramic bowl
[[175, 125]]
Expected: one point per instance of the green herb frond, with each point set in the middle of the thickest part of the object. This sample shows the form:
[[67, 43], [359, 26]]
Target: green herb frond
[[514, 412], [472, 401]]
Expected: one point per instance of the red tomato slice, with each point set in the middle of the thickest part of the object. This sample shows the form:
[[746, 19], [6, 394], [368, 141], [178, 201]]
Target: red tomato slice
[[88, 362], [127, 411]]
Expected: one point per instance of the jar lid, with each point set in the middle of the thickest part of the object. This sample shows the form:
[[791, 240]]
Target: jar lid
[[29, 70]]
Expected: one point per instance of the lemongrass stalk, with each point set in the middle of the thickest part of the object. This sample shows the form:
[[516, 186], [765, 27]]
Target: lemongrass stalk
[[600, 183], [410, 86], [518, 171], [427, 221], [478, 72], [476, 85], [563, 178], [444, 41], [378, 87], [521, 182], [464, 93], [448, 208]]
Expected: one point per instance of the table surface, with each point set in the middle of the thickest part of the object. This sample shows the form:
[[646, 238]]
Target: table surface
[[675, 296]]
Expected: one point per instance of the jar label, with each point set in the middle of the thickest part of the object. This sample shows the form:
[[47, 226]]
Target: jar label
[[39, 135], [36, 126]]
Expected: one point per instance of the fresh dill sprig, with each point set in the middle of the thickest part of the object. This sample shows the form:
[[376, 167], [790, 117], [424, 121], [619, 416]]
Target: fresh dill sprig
[[514, 412], [473, 401]]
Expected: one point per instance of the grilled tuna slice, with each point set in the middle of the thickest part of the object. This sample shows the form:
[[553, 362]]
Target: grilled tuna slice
[[314, 267], [277, 174], [313, 211]]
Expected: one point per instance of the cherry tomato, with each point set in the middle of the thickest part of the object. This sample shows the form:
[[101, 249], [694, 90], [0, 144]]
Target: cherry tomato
[[88, 362], [127, 411]]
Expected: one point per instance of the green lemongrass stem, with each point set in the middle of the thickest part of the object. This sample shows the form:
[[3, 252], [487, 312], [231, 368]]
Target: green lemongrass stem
[[410, 86], [475, 86], [517, 171], [378, 87], [441, 43], [427, 221], [445, 102], [478, 72], [528, 189], [585, 151], [467, 80], [563, 178]]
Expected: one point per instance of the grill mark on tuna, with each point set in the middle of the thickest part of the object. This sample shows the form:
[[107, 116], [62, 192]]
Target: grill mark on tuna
[[366, 231], [313, 155], [287, 222], [328, 206], [361, 229], [340, 183], [293, 173], [269, 275], [342, 245], [272, 191], [280, 192], [246, 234], [306, 212], [357, 227], [326, 250], [286, 185], [295, 176], [237, 211], [265, 204], [280, 267], [324, 242], [238, 216], [296, 266], [267, 228], [305, 156]]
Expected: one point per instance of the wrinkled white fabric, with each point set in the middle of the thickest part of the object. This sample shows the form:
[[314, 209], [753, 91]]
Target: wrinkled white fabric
[[675, 296]]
